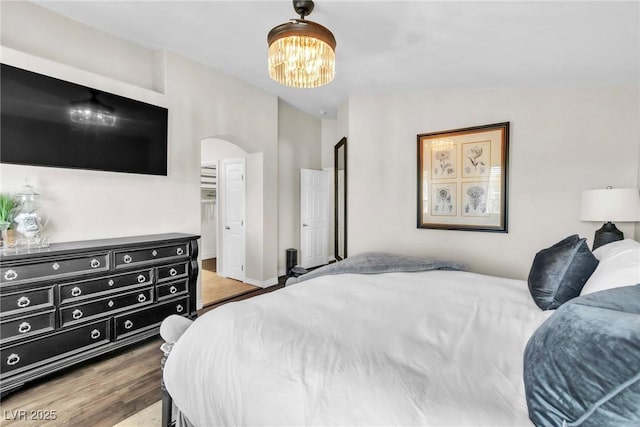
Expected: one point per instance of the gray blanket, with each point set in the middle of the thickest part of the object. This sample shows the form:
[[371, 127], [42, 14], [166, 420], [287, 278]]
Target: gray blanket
[[379, 262], [582, 366]]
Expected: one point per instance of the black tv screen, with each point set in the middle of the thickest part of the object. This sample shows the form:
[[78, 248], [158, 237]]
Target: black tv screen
[[51, 122]]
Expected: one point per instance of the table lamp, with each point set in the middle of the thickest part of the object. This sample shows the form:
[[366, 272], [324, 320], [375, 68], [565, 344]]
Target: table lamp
[[609, 205]]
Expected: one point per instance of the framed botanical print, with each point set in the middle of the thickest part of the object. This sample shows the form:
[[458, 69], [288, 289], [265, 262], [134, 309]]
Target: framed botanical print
[[462, 178]]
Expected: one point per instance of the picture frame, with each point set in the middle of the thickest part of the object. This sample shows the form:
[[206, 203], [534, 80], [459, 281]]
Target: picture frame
[[463, 178]]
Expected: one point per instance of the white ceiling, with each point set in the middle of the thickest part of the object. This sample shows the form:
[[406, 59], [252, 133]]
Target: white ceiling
[[393, 46]]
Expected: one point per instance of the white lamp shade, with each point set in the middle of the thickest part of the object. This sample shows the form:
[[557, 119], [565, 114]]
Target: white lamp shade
[[611, 204]]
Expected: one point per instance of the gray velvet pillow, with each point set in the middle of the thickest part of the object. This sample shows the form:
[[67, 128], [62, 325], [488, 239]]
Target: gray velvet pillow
[[559, 272], [582, 365]]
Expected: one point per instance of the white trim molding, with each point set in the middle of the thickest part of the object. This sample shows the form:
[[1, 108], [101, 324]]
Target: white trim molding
[[261, 283]]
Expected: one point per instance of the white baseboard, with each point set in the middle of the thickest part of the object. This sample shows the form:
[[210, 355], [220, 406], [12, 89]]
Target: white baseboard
[[254, 282], [261, 283], [209, 255]]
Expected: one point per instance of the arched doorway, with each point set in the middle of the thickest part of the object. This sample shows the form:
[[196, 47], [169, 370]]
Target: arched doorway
[[222, 248]]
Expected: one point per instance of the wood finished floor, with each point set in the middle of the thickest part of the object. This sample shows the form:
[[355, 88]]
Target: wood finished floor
[[102, 392], [216, 288]]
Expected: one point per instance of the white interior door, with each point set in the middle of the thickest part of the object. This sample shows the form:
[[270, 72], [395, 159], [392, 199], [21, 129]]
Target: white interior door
[[314, 218], [233, 231]]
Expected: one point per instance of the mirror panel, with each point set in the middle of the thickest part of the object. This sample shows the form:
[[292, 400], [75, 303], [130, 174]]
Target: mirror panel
[[340, 199]]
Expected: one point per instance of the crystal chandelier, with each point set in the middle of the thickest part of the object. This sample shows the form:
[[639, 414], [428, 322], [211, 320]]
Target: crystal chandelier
[[92, 112], [301, 53]]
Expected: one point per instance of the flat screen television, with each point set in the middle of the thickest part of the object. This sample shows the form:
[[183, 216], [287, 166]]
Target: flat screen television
[[51, 122]]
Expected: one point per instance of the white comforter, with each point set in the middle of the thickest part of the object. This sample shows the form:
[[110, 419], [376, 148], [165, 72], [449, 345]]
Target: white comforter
[[437, 348]]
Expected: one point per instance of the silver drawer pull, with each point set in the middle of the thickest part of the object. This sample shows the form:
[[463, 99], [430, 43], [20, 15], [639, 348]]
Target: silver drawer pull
[[95, 334], [127, 259], [173, 290], [111, 303], [13, 359], [76, 314], [179, 308], [179, 251], [55, 266], [128, 324], [154, 253], [24, 327], [142, 298], [173, 272], [10, 275], [76, 291], [95, 263], [23, 302], [141, 278], [110, 282]]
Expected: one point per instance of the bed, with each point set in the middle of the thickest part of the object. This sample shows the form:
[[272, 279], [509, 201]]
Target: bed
[[440, 347]]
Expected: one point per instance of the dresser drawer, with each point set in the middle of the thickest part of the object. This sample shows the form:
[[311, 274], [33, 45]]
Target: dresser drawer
[[173, 271], [126, 258], [25, 301], [55, 346], [81, 312], [169, 290], [81, 289], [27, 326], [130, 323], [53, 268]]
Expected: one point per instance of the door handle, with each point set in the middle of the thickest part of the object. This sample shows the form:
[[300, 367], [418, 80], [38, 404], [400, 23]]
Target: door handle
[[226, 227], [305, 225]]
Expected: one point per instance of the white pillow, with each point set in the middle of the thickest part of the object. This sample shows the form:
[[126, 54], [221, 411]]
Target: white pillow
[[619, 266], [614, 248]]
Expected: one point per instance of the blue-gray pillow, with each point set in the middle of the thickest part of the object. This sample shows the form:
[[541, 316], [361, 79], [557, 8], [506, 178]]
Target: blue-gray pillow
[[559, 272], [582, 365]]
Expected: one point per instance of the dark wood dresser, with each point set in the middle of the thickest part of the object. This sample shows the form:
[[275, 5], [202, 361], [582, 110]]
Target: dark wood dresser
[[68, 303]]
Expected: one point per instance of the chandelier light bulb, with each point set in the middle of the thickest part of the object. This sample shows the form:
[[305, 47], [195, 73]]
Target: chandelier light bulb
[[301, 53]]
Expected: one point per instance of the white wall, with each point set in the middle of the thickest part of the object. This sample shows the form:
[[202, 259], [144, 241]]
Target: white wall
[[30, 28], [212, 149], [202, 103], [328, 139], [343, 122], [298, 148], [209, 103], [563, 141], [255, 231]]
